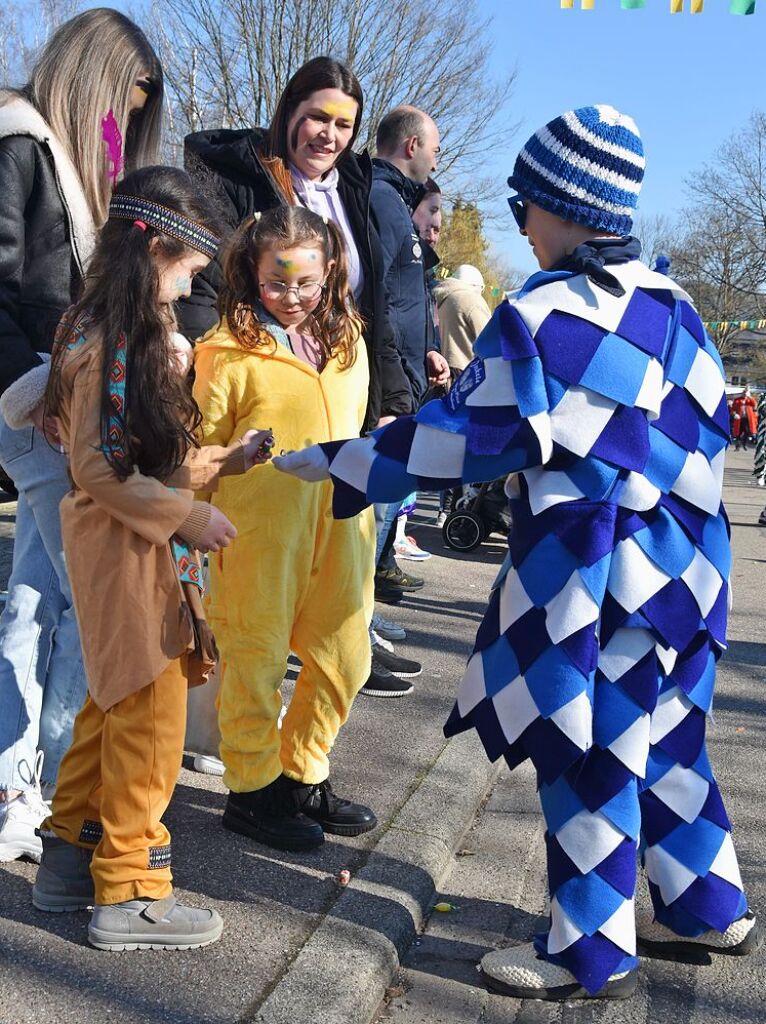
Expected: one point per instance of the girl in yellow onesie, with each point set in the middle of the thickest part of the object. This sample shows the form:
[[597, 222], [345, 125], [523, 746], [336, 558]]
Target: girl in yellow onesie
[[286, 354]]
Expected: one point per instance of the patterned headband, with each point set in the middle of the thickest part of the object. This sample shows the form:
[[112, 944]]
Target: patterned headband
[[166, 220]]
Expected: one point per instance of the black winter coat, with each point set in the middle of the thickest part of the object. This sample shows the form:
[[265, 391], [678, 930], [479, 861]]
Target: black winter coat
[[228, 160], [39, 273]]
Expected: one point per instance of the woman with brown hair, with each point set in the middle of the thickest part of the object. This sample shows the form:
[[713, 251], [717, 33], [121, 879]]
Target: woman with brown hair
[[306, 158], [92, 103]]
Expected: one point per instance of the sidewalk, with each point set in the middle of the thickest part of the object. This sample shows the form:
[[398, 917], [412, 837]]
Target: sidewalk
[[498, 877], [296, 946]]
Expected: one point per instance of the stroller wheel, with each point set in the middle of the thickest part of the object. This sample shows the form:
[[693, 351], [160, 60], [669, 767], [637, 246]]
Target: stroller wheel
[[463, 531]]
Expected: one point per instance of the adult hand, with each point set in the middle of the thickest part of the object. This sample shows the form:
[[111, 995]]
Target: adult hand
[[310, 464], [218, 533], [438, 368], [257, 445], [384, 421], [46, 425]]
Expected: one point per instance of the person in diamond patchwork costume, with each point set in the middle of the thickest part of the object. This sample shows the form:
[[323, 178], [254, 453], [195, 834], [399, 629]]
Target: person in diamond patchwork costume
[[598, 389]]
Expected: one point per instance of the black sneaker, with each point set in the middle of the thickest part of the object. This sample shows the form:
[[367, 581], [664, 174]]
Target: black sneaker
[[272, 816], [383, 683], [336, 816], [387, 593], [405, 668], [397, 578]]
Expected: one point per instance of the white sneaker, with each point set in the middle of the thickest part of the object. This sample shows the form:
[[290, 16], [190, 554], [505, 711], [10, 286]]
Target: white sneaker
[[208, 765], [522, 973], [376, 640], [409, 551], [441, 519], [387, 629], [740, 938], [23, 815]]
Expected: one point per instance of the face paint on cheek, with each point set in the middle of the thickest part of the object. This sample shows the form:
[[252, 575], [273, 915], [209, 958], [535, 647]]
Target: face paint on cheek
[[295, 132], [182, 284]]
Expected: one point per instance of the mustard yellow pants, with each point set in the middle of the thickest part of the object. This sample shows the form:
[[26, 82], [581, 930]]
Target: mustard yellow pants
[[311, 594], [115, 783]]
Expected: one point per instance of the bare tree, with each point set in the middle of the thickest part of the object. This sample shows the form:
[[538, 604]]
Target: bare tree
[[23, 30], [658, 234], [227, 63], [714, 261]]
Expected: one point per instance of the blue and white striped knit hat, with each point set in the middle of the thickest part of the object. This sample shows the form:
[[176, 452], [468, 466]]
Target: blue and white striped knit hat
[[586, 166]]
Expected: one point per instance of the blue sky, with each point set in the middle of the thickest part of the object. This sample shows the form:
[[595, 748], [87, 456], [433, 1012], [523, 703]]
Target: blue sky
[[688, 80]]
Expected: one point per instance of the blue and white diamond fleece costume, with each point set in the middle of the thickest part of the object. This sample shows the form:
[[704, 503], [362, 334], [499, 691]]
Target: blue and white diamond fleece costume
[[596, 657]]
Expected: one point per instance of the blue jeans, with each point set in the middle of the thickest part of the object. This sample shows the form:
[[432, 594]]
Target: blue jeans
[[42, 679], [385, 514]]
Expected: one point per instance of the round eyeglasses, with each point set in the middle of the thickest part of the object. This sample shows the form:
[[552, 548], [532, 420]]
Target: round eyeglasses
[[276, 290]]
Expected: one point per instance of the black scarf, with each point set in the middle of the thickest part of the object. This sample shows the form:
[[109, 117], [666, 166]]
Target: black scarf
[[590, 258]]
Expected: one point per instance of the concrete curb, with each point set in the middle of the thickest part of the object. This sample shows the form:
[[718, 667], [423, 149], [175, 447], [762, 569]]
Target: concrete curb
[[341, 974]]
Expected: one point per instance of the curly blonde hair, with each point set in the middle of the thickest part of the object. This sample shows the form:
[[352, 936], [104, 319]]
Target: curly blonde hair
[[338, 325]]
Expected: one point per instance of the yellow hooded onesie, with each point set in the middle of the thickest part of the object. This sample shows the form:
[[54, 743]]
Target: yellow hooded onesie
[[294, 578]]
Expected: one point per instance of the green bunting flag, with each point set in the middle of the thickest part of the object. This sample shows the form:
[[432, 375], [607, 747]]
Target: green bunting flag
[[740, 325]]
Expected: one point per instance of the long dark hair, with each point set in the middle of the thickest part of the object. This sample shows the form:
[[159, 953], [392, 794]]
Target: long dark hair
[[120, 299], [338, 325], [316, 74]]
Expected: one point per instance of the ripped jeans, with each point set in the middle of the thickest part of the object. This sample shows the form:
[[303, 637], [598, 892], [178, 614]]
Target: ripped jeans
[[42, 679]]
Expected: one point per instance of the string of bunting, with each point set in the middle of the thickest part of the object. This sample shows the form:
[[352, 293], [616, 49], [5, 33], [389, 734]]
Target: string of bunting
[[742, 325], [676, 6]]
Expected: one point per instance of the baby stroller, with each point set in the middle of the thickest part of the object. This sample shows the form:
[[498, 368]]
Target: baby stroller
[[482, 510]]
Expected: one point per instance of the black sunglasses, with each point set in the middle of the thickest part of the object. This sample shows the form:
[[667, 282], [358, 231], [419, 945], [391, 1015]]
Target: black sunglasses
[[519, 211]]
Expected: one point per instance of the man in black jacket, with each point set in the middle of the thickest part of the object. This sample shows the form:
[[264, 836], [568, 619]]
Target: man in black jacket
[[408, 148], [234, 164]]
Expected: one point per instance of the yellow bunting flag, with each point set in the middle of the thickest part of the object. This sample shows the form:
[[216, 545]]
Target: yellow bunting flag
[[587, 5], [698, 6], [676, 6], [567, 4]]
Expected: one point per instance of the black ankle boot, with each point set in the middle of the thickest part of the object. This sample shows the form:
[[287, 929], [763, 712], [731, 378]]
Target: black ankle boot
[[337, 816], [272, 816]]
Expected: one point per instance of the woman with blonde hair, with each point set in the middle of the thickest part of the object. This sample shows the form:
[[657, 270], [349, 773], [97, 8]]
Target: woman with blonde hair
[[93, 105]]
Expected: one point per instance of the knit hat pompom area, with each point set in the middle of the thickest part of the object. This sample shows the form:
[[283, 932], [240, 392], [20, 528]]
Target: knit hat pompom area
[[587, 166]]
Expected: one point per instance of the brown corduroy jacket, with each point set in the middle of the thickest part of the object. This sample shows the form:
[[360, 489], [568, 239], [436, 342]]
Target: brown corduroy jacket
[[130, 605]]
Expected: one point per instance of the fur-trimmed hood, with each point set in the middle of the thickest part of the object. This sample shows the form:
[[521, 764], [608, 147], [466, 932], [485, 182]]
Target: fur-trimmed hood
[[19, 117]]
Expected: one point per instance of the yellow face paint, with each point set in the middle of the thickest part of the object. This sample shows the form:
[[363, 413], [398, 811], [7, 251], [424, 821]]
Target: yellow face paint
[[345, 111]]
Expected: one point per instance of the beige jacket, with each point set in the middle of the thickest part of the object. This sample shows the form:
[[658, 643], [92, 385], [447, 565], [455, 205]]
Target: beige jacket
[[129, 602], [463, 315]]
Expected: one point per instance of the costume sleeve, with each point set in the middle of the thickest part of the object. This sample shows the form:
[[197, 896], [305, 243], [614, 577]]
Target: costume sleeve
[[142, 503], [495, 420], [204, 467], [215, 395]]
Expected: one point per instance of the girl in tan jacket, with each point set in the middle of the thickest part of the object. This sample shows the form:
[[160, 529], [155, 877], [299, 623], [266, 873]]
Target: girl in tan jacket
[[131, 526]]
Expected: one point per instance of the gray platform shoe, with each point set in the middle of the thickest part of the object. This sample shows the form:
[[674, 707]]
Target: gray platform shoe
[[63, 883], [152, 924]]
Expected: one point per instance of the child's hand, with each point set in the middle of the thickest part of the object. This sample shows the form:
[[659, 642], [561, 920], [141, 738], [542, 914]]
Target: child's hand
[[218, 533], [257, 445]]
